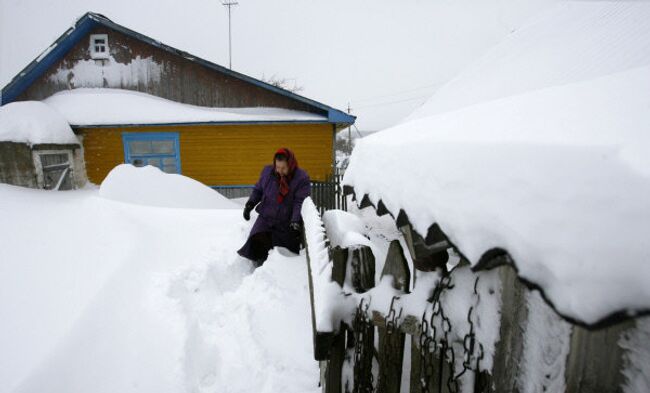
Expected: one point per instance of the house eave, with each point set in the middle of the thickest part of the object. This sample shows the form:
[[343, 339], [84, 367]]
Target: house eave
[[202, 123]]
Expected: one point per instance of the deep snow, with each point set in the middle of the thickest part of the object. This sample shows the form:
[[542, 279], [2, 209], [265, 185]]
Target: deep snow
[[104, 296]]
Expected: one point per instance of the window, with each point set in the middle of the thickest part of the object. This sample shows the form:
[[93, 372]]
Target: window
[[99, 46], [54, 169], [158, 149]]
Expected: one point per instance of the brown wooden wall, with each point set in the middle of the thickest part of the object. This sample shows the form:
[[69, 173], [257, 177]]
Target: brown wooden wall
[[136, 65], [220, 155]]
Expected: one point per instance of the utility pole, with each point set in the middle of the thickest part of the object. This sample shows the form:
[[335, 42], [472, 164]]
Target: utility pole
[[349, 131], [229, 4]]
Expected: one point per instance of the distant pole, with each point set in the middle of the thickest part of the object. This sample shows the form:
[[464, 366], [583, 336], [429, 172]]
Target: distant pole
[[229, 4], [349, 131]]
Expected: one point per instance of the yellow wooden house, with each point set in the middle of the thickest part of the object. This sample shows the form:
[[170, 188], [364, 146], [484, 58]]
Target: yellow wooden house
[[132, 99]]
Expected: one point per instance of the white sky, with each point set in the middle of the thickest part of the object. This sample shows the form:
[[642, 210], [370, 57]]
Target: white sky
[[383, 57]]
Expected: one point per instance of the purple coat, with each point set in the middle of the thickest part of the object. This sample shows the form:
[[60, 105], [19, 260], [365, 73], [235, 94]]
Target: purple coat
[[275, 217]]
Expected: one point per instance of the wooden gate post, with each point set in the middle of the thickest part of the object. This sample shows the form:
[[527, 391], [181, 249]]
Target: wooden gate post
[[391, 339], [363, 279], [337, 354]]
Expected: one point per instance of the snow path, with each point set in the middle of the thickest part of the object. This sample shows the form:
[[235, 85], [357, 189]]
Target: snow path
[[104, 296]]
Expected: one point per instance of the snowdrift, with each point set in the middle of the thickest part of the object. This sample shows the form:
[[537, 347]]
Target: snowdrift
[[152, 187], [546, 160], [98, 296]]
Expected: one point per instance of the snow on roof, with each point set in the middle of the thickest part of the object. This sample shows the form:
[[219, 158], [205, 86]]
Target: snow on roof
[[33, 122], [558, 176], [92, 106]]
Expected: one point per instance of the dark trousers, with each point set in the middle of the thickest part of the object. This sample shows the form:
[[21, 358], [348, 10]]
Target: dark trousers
[[257, 247]]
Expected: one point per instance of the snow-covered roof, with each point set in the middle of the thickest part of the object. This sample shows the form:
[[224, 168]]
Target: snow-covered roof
[[555, 171], [33, 122], [95, 107]]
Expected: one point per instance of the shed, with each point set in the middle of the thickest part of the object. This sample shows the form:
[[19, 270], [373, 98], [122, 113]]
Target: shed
[[38, 148], [132, 99]]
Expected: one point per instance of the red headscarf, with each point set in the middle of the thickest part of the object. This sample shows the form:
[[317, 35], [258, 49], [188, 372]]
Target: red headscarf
[[284, 180]]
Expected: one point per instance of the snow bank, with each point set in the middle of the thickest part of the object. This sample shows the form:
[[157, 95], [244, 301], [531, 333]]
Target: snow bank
[[100, 106], [124, 298], [558, 176], [33, 122], [152, 187]]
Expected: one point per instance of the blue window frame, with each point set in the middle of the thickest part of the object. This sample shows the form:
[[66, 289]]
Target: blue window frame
[[160, 149]]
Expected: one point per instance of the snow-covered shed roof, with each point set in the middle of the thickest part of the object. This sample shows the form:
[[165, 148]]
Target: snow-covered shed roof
[[32, 123], [91, 20], [539, 155], [112, 107]]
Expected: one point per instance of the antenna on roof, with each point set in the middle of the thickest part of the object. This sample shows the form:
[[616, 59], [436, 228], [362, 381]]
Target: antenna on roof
[[229, 4]]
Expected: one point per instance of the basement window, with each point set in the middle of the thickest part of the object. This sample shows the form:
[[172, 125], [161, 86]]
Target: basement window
[[99, 46]]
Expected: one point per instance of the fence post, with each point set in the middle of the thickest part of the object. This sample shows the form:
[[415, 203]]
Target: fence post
[[337, 354], [362, 341], [391, 340]]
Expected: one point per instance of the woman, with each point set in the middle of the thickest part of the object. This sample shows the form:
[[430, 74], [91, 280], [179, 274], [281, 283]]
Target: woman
[[280, 191]]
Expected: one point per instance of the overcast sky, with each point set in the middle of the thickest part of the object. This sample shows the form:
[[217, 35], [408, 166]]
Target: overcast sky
[[382, 57]]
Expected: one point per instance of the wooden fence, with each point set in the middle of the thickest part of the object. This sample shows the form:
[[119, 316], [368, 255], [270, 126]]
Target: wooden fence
[[388, 352], [328, 194]]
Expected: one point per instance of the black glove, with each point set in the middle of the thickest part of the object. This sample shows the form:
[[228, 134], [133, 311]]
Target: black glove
[[295, 227], [247, 210]]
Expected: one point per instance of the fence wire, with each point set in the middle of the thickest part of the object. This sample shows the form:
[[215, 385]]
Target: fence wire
[[445, 360]]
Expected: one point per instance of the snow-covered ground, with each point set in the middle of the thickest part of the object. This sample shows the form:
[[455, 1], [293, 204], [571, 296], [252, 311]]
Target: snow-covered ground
[[98, 295]]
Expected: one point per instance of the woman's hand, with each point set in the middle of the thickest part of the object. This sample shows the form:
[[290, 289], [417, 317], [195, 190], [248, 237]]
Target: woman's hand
[[295, 227], [247, 210]]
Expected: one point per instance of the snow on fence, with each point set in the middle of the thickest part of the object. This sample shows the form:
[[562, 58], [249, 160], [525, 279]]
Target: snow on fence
[[349, 311], [462, 330], [325, 293]]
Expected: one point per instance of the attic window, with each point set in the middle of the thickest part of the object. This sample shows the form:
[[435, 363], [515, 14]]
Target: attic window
[[99, 46]]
